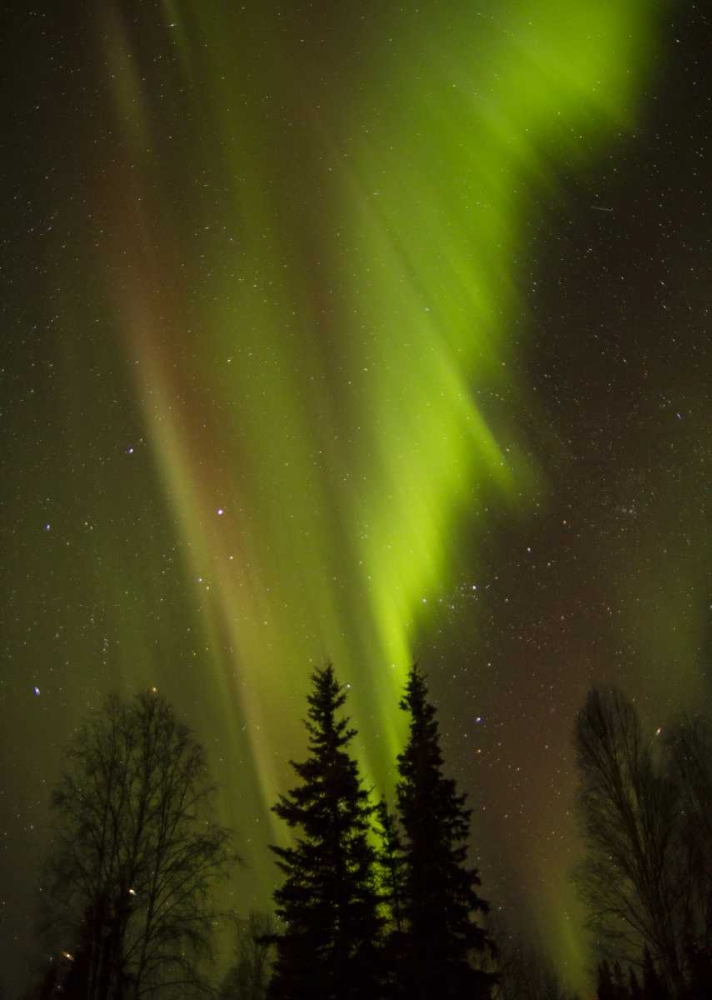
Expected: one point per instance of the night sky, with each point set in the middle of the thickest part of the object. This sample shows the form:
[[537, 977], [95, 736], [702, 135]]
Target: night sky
[[361, 331]]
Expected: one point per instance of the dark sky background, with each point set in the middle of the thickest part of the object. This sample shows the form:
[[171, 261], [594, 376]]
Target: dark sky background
[[353, 331]]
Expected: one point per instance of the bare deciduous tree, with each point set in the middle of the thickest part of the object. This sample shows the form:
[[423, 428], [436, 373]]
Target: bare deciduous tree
[[630, 879], [135, 854], [250, 974], [689, 767], [524, 971]]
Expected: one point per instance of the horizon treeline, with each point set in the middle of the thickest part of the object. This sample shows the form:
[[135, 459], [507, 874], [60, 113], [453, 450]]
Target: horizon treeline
[[376, 900]]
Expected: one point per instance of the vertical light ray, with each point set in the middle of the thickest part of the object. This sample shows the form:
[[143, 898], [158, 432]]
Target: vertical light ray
[[318, 365]]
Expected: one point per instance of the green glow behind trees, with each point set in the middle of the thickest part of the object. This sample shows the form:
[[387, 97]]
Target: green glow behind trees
[[315, 236], [328, 900], [441, 940]]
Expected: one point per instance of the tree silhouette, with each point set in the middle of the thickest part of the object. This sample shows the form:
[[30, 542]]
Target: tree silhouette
[[605, 989], [653, 985], [328, 901], [250, 974], [699, 971], [441, 939], [635, 990], [525, 971], [620, 985], [390, 866], [688, 745], [630, 878], [135, 856]]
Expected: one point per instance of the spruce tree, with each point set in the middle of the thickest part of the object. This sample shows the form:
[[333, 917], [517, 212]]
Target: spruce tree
[[390, 870], [440, 938], [328, 901], [389, 857]]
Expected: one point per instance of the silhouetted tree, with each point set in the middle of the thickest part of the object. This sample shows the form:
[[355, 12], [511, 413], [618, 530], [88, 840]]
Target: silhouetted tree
[[635, 990], [50, 983], [390, 863], [653, 984], [56, 978], [688, 744], [698, 965], [328, 901], [441, 939], [525, 971], [249, 976], [390, 869], [135, 854], [630, 878], [605, 989], [77, 973], [620, 986]]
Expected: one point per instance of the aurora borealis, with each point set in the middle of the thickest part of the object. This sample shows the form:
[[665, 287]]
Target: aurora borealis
[[359, 332]]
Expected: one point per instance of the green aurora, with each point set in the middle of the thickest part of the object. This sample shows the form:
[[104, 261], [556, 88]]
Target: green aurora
[[304, 231], [357, 276], [317, 408]]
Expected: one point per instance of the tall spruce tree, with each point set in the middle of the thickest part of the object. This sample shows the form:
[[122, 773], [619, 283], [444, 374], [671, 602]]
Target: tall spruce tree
[[441, 939], [389, 858], [328, 901], [390, 872]]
